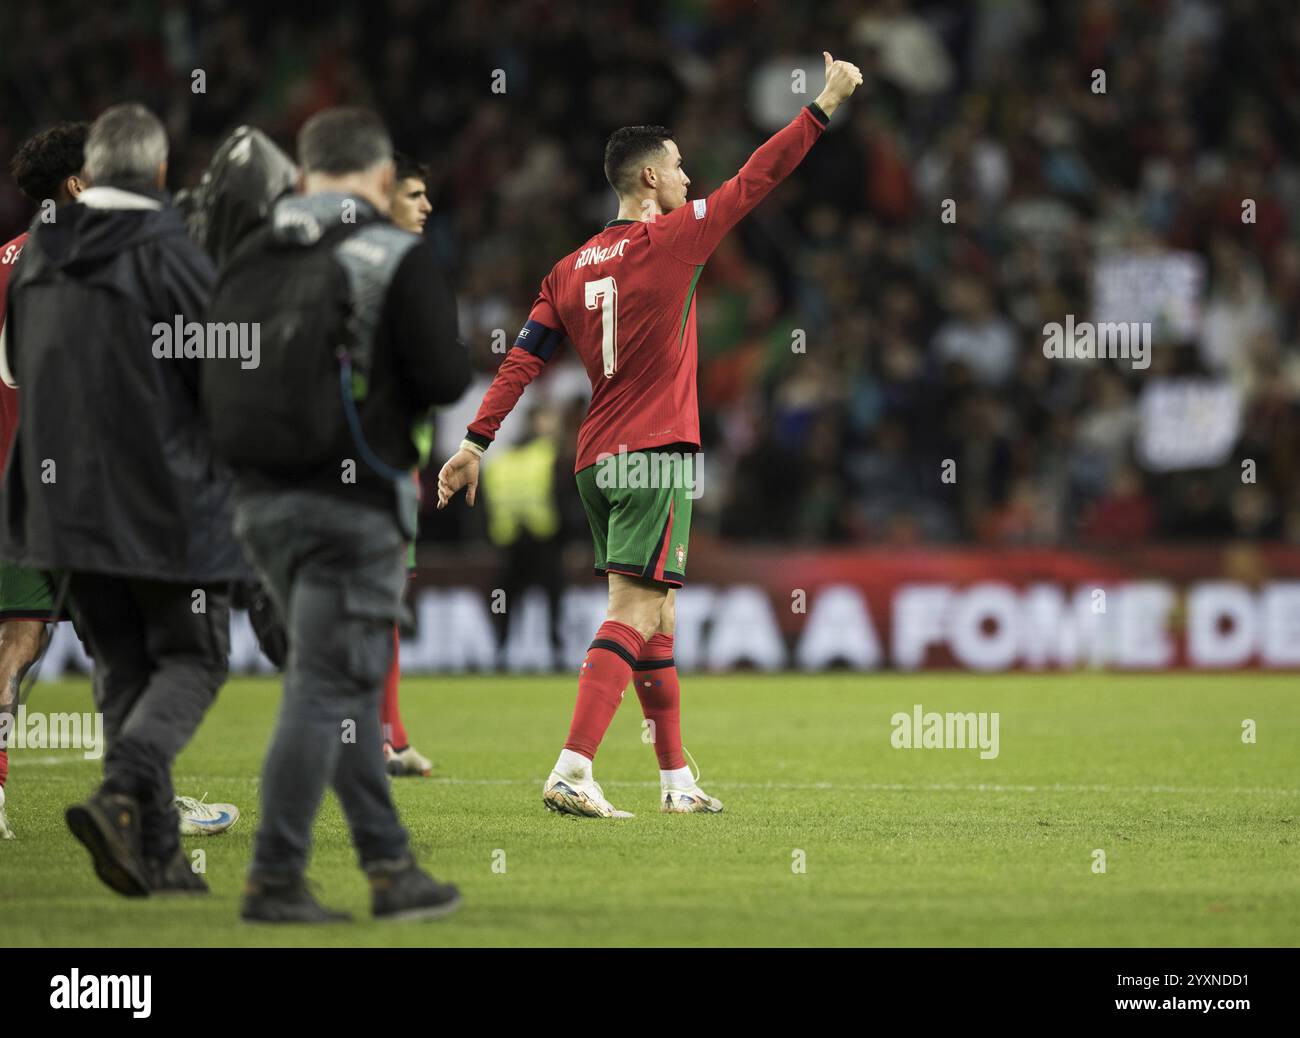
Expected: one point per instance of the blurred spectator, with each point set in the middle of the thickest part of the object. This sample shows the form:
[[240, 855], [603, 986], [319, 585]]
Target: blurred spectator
[[976, 335], [1124, 513], [1170, 193], [524, 519]]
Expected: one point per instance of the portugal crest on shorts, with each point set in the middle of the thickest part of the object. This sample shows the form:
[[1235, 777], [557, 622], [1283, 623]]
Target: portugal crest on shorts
[[681, 555]]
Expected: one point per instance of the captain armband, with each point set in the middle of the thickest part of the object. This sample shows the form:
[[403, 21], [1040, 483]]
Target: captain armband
[[539, 340]]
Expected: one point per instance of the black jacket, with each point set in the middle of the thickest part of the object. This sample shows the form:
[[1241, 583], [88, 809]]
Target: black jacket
[[111, 470]]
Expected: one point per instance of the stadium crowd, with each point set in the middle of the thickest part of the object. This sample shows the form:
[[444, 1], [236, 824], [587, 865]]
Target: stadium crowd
[[854, 336]]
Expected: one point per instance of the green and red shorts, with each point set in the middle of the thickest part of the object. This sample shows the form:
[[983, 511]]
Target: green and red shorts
[[638, 505]]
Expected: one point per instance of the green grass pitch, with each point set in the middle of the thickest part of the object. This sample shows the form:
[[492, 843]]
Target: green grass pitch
[[901, 847]]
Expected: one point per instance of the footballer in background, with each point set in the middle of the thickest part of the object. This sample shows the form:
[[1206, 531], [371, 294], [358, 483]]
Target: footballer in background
[[48, 169], [626, 301], [410, 210]]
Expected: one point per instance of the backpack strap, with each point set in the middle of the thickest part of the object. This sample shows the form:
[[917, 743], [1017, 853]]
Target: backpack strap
[[369, 256]]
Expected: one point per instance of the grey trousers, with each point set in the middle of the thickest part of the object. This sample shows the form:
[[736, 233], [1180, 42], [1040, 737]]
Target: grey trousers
[[158, 663], [335, 571]]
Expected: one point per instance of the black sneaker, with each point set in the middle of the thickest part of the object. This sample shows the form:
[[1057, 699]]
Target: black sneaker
[[402, 891], [109, 826], [285, 901], [174, 875]]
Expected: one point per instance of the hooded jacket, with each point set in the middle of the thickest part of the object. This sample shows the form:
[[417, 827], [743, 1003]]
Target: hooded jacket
[[111, 470], [248, 173]]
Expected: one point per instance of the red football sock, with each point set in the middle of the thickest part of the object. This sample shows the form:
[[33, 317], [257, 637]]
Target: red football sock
[[4, 767], [656, 684], [390, 718], [601, 683]]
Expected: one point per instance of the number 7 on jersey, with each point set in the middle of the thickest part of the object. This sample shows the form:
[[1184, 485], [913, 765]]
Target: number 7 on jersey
[[603, 293]]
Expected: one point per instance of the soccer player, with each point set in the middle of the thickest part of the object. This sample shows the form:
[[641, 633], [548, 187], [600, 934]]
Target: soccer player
[[625, 300], [410, 210], [47, 166], [411, 207]]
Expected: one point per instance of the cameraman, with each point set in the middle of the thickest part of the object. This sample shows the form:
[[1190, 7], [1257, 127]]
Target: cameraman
[[325, 503]]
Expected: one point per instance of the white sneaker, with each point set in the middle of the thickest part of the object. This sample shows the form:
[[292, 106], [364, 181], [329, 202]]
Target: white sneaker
[[199, 818], [687, 798], [578, 797], [5, 832]]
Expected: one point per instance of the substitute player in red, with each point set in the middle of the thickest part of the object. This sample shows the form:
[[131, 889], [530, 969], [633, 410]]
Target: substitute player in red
[[410, 210], [626, 302], [47, 169]]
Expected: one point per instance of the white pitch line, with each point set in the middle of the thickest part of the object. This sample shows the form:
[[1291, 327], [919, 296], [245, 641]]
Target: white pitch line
[[894, 787], [854, 787], [20, 759]]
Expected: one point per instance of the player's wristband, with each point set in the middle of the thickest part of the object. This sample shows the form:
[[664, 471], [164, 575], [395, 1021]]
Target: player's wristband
[[472, 447]]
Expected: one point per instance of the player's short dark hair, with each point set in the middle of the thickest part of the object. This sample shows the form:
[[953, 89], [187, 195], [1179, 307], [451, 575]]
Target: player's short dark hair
[[408, 168], [338, 141], [626, 153], [43, 162]]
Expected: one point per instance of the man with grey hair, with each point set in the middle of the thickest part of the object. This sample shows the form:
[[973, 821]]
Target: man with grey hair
[[127, 150], [320, 438], [113, 483]]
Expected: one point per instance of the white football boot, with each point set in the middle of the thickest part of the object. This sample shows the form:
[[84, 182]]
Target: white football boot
[[571, 796], [686, 799], [5, 832], [199, 818], [406, 762]]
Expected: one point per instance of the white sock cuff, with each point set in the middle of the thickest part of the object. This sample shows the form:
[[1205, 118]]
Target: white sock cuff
[[681, 778], [574, 764]]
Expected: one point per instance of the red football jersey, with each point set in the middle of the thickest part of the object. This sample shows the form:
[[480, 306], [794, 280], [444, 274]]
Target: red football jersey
[[626, 300], [8, 396]]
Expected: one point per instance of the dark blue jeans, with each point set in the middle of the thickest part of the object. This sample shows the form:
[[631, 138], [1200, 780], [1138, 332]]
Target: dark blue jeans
[[335, 570]]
